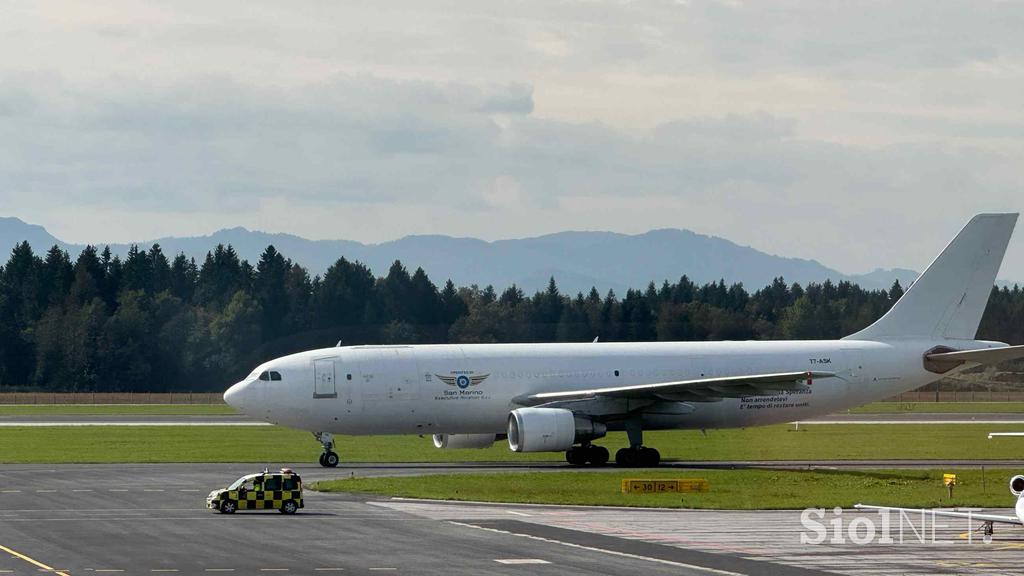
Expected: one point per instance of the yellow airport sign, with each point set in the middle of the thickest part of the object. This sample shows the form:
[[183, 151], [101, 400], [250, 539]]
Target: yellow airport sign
[[949, 479], [635, 486]]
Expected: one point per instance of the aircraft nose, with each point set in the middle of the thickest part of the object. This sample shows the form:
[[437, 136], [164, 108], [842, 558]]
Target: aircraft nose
[[234, 396]]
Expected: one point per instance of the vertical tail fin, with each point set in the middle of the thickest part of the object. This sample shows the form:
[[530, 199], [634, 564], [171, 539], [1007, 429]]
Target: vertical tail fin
[[948, 299]]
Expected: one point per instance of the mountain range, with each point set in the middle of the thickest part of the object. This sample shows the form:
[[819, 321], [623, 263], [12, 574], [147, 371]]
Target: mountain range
[[577, 260]]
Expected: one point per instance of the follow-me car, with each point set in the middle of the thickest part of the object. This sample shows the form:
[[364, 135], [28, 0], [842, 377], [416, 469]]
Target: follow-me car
[[555, 397], [280, 491]]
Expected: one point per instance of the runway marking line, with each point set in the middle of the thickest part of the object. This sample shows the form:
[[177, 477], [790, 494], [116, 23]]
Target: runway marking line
[[514, 513], [108, 570], [273, 569], [164, 570], [521, 561], [329, 569], [219, 570], [33, 562], [604, 550]]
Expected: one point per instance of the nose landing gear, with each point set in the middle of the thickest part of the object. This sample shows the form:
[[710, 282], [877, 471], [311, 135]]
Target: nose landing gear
[[329, 459]]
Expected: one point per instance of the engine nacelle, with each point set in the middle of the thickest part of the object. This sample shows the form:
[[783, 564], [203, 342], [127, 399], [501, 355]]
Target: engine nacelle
[[1017, 485], [451, 441], [549, 430]]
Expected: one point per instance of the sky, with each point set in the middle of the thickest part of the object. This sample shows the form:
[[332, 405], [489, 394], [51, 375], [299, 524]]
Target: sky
[[861, 135]]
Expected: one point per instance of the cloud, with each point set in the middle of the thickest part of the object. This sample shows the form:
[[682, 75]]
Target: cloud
[[773, 124]]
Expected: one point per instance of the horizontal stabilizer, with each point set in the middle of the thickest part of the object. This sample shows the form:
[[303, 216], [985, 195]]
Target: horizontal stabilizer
[[983, 356], [979, 516]]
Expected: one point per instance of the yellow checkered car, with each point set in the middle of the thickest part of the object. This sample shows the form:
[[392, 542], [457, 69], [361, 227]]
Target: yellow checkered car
[[265, 491]]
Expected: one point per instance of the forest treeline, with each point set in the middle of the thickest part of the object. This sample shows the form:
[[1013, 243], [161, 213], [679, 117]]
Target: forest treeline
[[152, 323]]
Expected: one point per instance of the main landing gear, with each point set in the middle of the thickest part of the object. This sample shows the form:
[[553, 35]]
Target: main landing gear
[[329, 459], [587, 454], [637, 455]]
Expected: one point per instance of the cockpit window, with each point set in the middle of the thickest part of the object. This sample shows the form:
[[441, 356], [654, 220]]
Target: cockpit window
[[265, 376], [275, 376]]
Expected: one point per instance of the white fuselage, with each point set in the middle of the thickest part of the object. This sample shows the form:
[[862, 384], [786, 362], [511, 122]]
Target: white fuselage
[[429, 389]]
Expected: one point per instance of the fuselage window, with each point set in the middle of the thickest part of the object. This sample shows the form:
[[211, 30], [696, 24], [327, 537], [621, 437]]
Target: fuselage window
[[265, 376], [275, 376]]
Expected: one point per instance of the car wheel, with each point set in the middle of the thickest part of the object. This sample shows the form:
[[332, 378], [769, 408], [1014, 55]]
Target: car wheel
[[228, 507], [289, 507]]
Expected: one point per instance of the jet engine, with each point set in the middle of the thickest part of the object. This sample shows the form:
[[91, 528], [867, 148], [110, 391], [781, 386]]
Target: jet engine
[[549, 430], [463, 440], [1017, 485]]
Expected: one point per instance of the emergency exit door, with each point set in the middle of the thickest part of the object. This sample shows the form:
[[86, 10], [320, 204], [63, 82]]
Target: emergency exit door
[[324, 385]]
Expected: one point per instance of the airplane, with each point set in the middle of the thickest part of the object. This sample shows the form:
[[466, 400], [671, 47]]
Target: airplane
[[988, 520], [563, 396]]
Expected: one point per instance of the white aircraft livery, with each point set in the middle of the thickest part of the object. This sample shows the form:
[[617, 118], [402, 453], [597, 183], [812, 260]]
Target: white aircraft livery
[[562, 397]]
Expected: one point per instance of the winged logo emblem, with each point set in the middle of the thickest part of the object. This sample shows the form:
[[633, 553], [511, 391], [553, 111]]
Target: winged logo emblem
[[463, 381]]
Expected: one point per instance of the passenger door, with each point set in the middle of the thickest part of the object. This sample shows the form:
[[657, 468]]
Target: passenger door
[[324, 385]]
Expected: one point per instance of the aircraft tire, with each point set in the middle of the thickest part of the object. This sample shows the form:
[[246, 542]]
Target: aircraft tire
[[577, 456], [597, 455], [649, 457], [625, 457], [330, 460], [321, 459]]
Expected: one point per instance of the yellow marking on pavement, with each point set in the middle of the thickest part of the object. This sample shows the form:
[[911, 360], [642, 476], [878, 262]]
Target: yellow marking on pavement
[[33, 562], [10, 491], [1010, 546]]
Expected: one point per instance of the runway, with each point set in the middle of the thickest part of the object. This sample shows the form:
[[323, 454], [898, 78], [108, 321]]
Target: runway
[[241, 420], [150, 519]]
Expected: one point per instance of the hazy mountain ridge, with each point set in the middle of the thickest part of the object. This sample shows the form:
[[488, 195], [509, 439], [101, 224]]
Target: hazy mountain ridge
[[577, 260]]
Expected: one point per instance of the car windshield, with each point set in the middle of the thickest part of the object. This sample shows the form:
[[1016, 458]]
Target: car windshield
[[240, 481]]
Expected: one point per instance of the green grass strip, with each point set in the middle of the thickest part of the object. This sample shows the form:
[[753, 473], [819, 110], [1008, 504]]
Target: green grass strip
[[729, 489], [115, 409], [270, 444]]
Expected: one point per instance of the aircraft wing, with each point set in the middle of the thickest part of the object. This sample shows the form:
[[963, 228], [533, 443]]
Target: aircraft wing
[[983, 356], [699, 390], [949, 513]]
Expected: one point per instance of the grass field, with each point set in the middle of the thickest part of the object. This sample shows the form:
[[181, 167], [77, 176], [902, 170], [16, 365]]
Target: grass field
[[266, 444], [114, 409], [941, 408], [729, 489]]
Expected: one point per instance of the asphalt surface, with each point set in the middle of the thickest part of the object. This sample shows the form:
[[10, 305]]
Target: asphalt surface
[[150, 519], [241, 420]]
